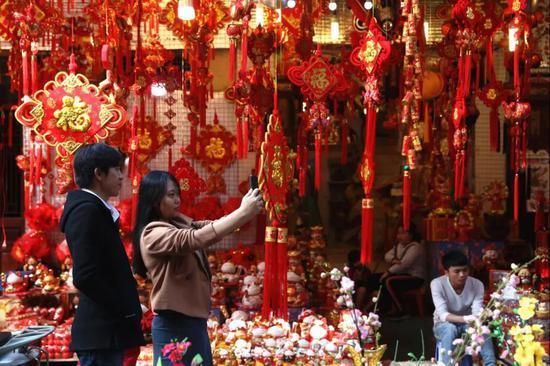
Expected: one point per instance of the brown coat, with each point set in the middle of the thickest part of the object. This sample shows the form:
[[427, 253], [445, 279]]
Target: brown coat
[[172, 253]]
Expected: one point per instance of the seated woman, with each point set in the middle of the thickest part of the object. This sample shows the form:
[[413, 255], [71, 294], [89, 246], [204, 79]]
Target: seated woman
[[407, 270]]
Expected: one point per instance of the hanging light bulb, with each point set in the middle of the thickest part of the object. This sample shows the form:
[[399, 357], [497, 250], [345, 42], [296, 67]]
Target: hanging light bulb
[[332, 5], [279, 15], [334, 30], [158, 89], [259, 14], [512, 39], [291, 3], [368, 4], [186, 11]]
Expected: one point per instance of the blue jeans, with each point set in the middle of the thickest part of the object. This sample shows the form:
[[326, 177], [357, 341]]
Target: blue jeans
[[446, 333], [169, 326], [101, 358]]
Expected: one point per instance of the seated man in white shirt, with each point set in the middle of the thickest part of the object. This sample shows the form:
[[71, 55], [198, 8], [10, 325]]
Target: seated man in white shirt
[[458, 298]]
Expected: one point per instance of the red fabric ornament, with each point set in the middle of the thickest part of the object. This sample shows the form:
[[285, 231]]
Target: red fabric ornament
[[371, 56], [207, 208], [31, 244], [42, 217], [275, 174], [150, 138], [241, 255], [125, 220], [318, 79], [492, 95], [62, 251], [191, 184], [128, 248], [70, 112]]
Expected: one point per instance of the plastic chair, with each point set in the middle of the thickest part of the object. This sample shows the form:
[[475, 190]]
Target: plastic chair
[[418, 294]]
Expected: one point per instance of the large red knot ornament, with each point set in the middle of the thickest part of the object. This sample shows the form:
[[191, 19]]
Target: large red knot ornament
[[216, 149], [371, 55], [191, 184], [317, 79], [275, 175], [68, 113]]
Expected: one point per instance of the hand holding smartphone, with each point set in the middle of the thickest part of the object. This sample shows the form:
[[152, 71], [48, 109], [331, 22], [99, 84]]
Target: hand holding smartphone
[[253, 181]]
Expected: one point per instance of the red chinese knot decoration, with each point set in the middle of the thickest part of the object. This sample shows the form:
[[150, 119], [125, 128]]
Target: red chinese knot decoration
[[317, 79], [68, 113], [371, 55], [216, 149], [276, 173]]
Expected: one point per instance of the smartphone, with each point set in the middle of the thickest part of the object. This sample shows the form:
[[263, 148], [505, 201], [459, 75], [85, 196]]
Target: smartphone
[[253, 181]]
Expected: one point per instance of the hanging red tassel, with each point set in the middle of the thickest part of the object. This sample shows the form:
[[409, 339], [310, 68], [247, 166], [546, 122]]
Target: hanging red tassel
[[25, 66], [270, 254], [427, 123], [516, 197], [245, 138], [38, 164], [318, 147], [517, 85], [494, 130], [344, 138], [367, 213], [10, 126], [523, 145], [34, 67], [406, 198], [459, 174], [239, 139], [232, 57], [244, 46], [490, 60], [467, 73], [282, 264]]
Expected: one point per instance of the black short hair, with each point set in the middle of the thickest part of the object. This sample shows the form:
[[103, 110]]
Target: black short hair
[[89, 157], [454, 258]]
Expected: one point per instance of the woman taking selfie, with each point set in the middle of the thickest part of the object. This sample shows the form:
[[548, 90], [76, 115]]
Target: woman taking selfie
[[170, 248]]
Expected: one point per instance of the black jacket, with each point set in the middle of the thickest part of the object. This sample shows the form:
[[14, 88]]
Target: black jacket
[[109, 313]]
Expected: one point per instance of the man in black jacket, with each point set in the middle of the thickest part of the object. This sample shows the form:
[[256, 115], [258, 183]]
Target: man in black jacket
[[107, 321]]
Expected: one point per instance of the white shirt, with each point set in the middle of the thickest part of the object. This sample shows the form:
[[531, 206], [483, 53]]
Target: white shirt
[[114, 212], [447, 301]]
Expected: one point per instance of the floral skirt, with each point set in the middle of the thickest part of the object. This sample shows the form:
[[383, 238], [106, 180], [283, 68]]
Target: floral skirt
[[170, 326]]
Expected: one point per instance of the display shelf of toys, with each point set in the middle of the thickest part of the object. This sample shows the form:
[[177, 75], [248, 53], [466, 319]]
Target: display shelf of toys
[[37, 295]]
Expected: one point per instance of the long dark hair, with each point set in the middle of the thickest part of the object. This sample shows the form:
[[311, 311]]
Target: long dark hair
[[151, 191]]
